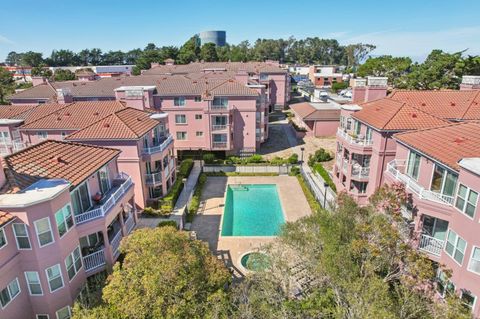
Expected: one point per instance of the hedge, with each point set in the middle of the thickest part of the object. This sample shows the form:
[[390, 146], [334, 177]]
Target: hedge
[[167, 223], [318, 167], [197, 194], [167, 203], [239, 174], [312, 201]]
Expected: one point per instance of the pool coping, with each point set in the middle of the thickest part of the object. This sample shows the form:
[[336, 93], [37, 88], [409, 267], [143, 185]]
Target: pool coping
[[220, 228]]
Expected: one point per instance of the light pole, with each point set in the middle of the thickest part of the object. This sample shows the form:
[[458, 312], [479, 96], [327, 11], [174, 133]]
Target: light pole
[[301, 159], [325, 188]]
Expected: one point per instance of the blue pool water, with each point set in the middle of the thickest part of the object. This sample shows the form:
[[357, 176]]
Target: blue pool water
[[252, 210]]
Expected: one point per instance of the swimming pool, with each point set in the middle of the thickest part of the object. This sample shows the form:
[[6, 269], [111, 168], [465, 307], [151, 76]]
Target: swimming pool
[[252, 210]]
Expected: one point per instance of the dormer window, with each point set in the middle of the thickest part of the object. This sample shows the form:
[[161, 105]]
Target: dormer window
[[198, 99], [220, 101], [179, 101]]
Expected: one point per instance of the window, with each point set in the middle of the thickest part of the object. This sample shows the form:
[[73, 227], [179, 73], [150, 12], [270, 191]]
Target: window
[[64, 220], [3, 237], [4, 137], [443, 181], [444, 286], [198, 99], [221, 120], [63, 313], [357, 127], [179, 101], [221, 138], [21, 234], [468, 299], [155, 192], [42, 135], [103, 179], [9, 293], [180, 119], [181, 135], [413, 165], [455, 246], [474, 264], [198, 116], [42, 317], [220, 101], [33, 282], [64, 134], [199, 133], [466, 200], [73, 263], [54, 275], [81, 199], [368, 135], [145, 141], [44, 231]]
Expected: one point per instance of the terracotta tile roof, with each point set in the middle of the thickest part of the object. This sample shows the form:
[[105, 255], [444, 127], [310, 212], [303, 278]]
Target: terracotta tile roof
[[446, 144], [392, 115], [128, 123], [15, 111], [251, 67], [42, 91], [307, 111], [74, 116], [54, 159], [42, 110], [5, 218]]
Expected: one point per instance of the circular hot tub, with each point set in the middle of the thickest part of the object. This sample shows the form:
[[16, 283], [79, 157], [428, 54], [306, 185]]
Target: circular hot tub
[[255, 261]]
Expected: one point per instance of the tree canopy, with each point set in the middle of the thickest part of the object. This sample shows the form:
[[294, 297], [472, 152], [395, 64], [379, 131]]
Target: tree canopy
[[7, 84]]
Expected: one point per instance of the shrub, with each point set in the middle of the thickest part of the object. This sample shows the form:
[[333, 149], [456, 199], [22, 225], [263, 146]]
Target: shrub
[[197, 193], [168, 202], [295, 170], [320, 155], [167, 223], [296, 127], [277, 161], [234, 159], [337, 86], [293, 159], [152, 212], [185, 168], [209, 158], [323, 172], [254, 159]]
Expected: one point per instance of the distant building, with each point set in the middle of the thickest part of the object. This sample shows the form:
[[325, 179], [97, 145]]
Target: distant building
[[217, 37], [325, 75]]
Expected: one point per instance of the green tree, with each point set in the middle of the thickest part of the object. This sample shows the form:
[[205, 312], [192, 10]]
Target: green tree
[[95, 56], [208, 52], [150, 47], [471, 65], [385, 65], [7, 84], [84, 56], [113, 58], [63, 58], [132, 56], [240, 52], [64, 75], [13, 58], [31, 58], [190, 51], [41, 70], [165, 274], [356, 53], [145, 59], [223, 53]]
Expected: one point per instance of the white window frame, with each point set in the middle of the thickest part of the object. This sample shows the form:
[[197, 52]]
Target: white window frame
[[4, 236], [408, 165], [181, 139], [28, 283], [181, 123], [10, 293], [64, 220], [69, 311], [42, 135], [179, 98], [73, 263], [474, 299], [16, 237], [48, 278], [455, 247], [49, 229], [198, 116], [472, 259], [199, 135], [37, 316], [467, 194]]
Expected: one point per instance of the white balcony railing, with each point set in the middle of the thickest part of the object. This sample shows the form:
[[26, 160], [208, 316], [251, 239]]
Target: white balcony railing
[[129, 223], [345, 166], [159, 148], [219, 144], [354, 140], [107, 205], [219, 127], [431, 244], [338, 160], [396, 167], [153, 178], [360, 172], [116, 244], [94, 260]]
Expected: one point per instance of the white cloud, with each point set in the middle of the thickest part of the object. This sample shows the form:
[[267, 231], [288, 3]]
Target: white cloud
[[419, 43], [5, 40]]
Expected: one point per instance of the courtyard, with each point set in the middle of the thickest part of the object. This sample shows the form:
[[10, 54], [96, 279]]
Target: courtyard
[[208, 222]]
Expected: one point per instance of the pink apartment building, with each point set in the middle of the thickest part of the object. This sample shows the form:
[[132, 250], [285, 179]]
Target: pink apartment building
[[427, 140], [64, 210]]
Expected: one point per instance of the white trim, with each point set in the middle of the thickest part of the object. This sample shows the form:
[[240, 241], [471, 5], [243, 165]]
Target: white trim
[[69, 311], [466, 201], [470, 259], [2, 230], [10, 294], [474, 298], [37, 233], [455, 247], [73, 262], [48, 278], [42, 314], [64, 220], [408, 165], [16, 237], [28, 283]]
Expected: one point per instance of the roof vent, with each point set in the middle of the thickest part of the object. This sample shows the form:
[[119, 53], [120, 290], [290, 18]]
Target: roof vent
[[194, 81], [377, 109], [414, 115], [67, 114], [424, 104], [58, 159], [139, 119], [230, 80], [59, 118], [96, 113], [452, 103], [106, 125], [459, 140]]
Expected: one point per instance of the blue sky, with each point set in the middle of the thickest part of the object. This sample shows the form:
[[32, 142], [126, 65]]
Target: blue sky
[[402, 27]]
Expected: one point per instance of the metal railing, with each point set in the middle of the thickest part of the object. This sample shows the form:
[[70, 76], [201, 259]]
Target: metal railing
[[104, 208], [345, 166], [354, 140], [94, 260], [129, 223], [220, 144], [116, 244], [431, 244], [360, 172], [219, 127], [153, 178], [158, 148], [394, 169]]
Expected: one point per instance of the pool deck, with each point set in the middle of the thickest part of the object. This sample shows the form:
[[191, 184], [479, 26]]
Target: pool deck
[[207, 223]]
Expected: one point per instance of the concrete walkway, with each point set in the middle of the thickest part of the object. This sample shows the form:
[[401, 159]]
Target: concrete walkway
[[319, 186]]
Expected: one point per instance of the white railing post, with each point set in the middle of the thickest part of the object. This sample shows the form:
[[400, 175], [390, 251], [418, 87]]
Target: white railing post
[[94, 260]]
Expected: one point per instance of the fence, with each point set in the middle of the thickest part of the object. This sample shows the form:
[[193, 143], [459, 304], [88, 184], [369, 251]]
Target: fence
[[280, 169], [317, 190]]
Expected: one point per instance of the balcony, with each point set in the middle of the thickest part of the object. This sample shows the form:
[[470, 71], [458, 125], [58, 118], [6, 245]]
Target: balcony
[[109, 200], [94, 260], [219, 127], [431, 245], [158, 148], [345, 166], [358, 141], [396, 169], [129, 223], [115, 243], [153, 179], [360, 172], [219, 145], [8, 146]]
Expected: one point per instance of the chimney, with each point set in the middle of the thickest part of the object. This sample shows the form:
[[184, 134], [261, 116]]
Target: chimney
[[359, 86], [376, 88], [470, 82], [242, 77], [138, 97], [64, 96], [154, 65], [38, 80], [169, 62]]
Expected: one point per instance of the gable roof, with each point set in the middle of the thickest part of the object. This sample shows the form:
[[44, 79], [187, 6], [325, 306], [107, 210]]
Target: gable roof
[[195, 67], [128, 123], [15, 111], [5, 218], [392, 115], [324, 111], [446, 144], [42, 91], [55, 160]]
